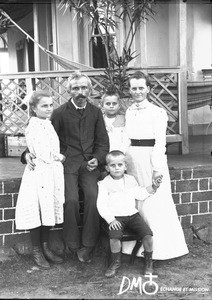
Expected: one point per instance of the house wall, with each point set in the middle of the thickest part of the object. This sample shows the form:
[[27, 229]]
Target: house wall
[[163, 41], [69, 36], [161, 37], [27, 24], [199, 56], [67, 41], [157, 43], [4, 62], [163, 50], [15, 35], [158, 37], [73, 37], [200, 43], [173, 34]]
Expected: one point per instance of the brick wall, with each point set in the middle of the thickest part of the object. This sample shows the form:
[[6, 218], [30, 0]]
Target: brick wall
[[192, 194], [8, 197]]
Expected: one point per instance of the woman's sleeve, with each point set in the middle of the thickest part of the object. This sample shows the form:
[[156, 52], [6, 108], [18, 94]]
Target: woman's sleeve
[[125, 137], [159, 149], [38, 143], [125, 143]]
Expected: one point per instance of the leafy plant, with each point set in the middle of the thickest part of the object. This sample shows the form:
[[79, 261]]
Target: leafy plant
[[117, 75], [105, 17], [4, 25]]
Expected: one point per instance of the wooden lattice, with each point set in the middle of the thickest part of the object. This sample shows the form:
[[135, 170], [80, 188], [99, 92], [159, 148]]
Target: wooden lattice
[[13, 112], [163, 93], [14, 88]]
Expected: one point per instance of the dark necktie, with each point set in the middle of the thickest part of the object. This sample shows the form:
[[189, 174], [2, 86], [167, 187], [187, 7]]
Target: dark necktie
[[80, 111]]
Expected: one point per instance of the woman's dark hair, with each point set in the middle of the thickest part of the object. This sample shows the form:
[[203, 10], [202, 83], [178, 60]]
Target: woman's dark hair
[[139, 75]]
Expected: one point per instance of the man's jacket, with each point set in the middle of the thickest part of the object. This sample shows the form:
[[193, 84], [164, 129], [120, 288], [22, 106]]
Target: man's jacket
[[81, 137]]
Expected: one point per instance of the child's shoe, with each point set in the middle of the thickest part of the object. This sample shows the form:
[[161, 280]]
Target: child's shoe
[[148, 263], [39, 258], [114, 266]]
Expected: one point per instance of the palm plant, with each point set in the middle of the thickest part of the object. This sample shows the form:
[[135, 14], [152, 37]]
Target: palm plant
[[4, 25], [105, 17]]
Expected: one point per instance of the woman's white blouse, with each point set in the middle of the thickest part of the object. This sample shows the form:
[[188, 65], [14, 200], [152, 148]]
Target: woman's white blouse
[[148, 121]]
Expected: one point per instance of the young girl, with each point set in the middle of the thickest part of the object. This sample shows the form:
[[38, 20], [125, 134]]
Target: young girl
[[41, 195], [114, 121]]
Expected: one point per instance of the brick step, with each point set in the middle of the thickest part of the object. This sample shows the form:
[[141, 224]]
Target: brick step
[[191, 191]]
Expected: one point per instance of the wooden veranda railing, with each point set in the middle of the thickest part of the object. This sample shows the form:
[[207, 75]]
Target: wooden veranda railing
[[165, 92]]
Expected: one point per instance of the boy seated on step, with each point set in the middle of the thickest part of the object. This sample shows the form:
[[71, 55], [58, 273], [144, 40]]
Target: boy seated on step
[[116, 205]]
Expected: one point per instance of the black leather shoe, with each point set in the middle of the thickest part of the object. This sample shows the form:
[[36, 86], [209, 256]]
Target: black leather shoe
[[50, 255], [84, 254], [70, 252], [39, 258]]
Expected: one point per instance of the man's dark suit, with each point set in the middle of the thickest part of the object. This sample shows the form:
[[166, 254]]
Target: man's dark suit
[[81, 139]]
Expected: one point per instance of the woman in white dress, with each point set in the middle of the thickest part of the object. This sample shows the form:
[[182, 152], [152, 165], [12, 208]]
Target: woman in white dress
[[146, 126], [41, 195]]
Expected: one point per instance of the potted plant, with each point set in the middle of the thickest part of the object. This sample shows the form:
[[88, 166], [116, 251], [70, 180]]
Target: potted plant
[[105, 16]]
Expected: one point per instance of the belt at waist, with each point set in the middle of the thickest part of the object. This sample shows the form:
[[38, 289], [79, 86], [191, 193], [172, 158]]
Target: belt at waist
[[143, 143]]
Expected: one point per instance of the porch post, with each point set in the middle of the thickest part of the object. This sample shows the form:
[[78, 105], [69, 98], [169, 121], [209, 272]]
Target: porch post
[[183, 108], [141, 44], [54, 33], [36, 37]]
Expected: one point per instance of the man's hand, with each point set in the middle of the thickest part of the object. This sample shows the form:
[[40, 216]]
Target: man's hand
[[63, 159], [115, 225], [29, 160], [60, 157], [92, 164]]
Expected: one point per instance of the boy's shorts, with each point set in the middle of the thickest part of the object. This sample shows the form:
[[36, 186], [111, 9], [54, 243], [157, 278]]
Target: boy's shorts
[[135, 222]]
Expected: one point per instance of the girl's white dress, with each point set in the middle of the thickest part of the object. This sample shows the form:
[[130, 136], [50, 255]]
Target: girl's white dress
[[41, 195], [115, 130], [148, 121]]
